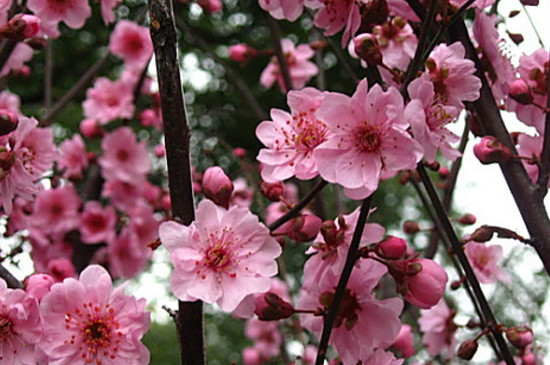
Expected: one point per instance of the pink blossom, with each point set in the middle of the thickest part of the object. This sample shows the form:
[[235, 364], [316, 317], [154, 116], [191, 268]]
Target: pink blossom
[[97, 223], [369, 140], [107, 12], [363, 323], [109, 100], [21, 326], [439, 329], [242, 194], [10, 103], [38, 285], [266, 337], [87, 321], [127, 255], [124, 158], [335, 15], [485, 262], [73, 157], [122, 194], [143, 222], [252, 356], [332, 244], [21, 54], [132, 43], [283, 9], [452, 75], [56, 210], [72, 12], [222, 257], [429, 118], [61, 268], [531, 147], [404, 342], [300, 69], [397, 42], [241, 52], [217, 186], [291, 138]]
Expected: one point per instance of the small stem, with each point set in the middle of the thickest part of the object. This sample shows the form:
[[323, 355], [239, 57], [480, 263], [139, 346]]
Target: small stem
[[351, 258], [343, 60], [539, 38], [11, 280], [283, 64]]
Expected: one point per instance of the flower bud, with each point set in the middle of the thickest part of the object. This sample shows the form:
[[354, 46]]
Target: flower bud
[[529, 359], [529, 2], [305, 228], [239, 152], [160, 150], [21, 26], [392, 248], [38, 285], [242, 52], [217, 186], [90, 128], [411, 227], [272, 191], [467, 219], [519, 336], [367, 48], [211, 6], [443, 172], [8, 122], [521, 92], [482, 234], [270, 307], [425, 282], [467, 349], [490, 150], [61, 268], [404, 341]]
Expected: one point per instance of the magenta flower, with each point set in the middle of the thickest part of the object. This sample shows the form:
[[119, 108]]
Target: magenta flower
[[369, 140], [397, 42], [222, 257], [132, 43], [363, 323], [300, 69], [73, 157], [97, 224], [72, 12], [109, 100], [107, 12], [439, 329], [124, 158], [283, 9], [87, 321], [20, 326], [56, 210], [291, 138], [335, 15], [485, 262], [21, 54]]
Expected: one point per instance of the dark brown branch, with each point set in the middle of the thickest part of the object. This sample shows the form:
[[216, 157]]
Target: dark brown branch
[[189, 322], [351, 258], [468, 271], [6, 48], [11, 280], [544, 172], [283, 64]]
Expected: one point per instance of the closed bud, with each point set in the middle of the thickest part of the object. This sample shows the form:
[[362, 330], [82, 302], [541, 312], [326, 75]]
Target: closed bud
[[211, 6], [270, 307], [21, 26], [467, 349], [217, 186], [467, 219], [239, 152], [482, 234], [392, 248], [411, 227], [490, 150], [305, 228], [242, 52], [38, 285], [443, 172], [519, 336], [367, 48], [272, 191], [8, 122], [521, 92]]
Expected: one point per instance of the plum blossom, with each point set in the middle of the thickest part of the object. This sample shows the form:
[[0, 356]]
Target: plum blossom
[[452, 75], [439, 329], [97, 224], [335, 15], [485, 261], [56, 210], [124, 158], [397, 42], [21, 54], [363, 324], [290, 138], [89, 321], [132, 43], [73, 157], [300, 69], [222, 257], [107, 12], [72, 12], [20, 325], [283, 9], [109, 100], [369, 140], [531, 147], [127, 255]]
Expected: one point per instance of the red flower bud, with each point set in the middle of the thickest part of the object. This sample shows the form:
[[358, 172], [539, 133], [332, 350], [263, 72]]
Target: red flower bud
[[242, 52], [270, 307], [411, 227], [368, 49], [272, 191], [467, 219], [392, 248], [467, 349], [490, 150], [519, 336], [521, 92], [304, 228], [217, 186]]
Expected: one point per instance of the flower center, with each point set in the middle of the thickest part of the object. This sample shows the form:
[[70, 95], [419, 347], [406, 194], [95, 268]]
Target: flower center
[[368, 138], [217, 257], [5, 327], [347, 313], [310, 135]]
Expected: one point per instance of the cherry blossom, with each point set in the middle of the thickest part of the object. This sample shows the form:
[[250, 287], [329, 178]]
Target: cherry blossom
[[335, 15], [72, 12], [97, 224], [485, 261], [109, 100], [89, 321], [369, 140], [127, 255], [132, 43], [300, 69], [56, 210], [73, 157], [290, 138], [397, 42], [222, 257], [107, 12], [439, 329], [283, 9]]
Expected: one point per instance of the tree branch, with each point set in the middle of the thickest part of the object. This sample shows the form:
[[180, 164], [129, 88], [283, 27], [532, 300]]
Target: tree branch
[[11, 280], [189, 320], [283, 64], [544, 171]]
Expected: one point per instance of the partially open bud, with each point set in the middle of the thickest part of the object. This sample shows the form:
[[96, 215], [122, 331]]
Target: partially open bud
[[424, 281], [411, 227], [270, 307], [38, 285], [490, 150], [467, 349], [217, 186], [368, 49], [467, 219], [21, 26], [90, 128], [272, 191], [331, 234], [8, 122], [304, 228], [521, 92], [242, 52], [392, 248], [519, 336]]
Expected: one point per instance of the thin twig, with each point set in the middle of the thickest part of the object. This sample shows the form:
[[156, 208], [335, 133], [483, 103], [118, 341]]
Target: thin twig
[[351, 258], [11, 280], [544, 171], [189, 321], [6, 48], [343, 60], [539, 38], [283, 64]]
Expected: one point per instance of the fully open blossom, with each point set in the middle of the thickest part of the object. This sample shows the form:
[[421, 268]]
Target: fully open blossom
[[73, 157], [439, 329], [124, 158], [485, 261], [109, 100], [20, 326], [363, 323], [335, 15], [452, 75], [300, 69], [132, 43], [222, 257], [87, 321], [397, 42], [72, 12], [283, 9], [127, 255], [56, 210], [290, 138], [369, 140], [97, 224]]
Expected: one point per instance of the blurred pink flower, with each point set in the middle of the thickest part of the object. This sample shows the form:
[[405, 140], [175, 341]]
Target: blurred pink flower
[[56, 210], [222, 257], [439, 329], [97, 223], [72, 12], [336, 15], [109, 100], [132, 43], [87, 321], [283, 9], [127, 255], [485, 262], [73, 157], [107, 12]]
